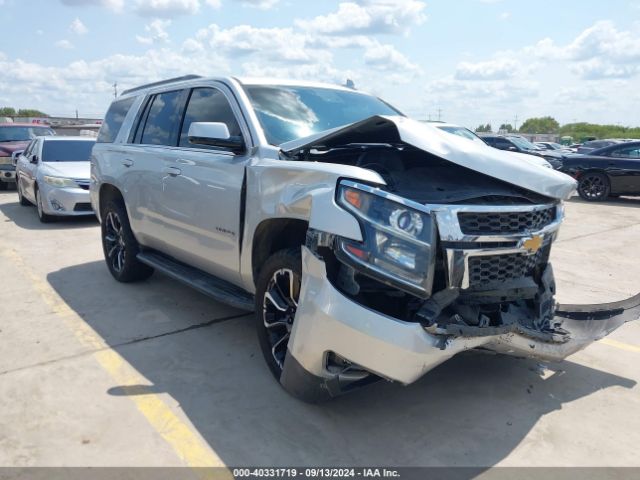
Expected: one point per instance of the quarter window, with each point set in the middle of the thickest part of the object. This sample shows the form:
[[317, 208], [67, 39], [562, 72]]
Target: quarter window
[[163, 120], [114, 119], [208, 105], [629, 152]]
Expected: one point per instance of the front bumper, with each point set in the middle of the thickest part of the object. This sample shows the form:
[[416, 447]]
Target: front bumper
[[66, 201], [328, 322]]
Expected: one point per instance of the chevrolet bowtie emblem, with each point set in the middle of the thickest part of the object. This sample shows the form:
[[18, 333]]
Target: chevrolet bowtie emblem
[[533, 244]]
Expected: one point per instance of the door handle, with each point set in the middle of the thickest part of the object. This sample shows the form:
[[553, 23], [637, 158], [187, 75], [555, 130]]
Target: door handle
[[127, 162], [173, 171]]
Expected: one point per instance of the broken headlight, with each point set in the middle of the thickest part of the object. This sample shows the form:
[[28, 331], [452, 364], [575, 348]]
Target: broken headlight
[[399, 239]]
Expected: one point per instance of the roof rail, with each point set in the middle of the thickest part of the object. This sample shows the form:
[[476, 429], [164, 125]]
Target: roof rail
[[162, 82]]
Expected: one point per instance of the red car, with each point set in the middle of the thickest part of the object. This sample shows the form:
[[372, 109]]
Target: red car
[[15, 137]]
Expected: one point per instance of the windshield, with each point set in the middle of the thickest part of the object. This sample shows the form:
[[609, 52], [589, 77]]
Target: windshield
[[523, 143], [288, 113], [462, 132], [23, 134], [67, 151]]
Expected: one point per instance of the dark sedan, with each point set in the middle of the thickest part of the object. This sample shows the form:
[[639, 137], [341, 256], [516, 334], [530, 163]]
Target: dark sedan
[[516, 143], [608, 172]]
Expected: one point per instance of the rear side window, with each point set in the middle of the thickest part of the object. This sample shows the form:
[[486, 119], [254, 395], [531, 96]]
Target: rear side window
[[163, 119], [114, 119], [208, 105]]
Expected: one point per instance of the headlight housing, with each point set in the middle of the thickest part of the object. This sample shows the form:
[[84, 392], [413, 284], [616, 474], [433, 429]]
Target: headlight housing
[[60, 181], [399, 238]]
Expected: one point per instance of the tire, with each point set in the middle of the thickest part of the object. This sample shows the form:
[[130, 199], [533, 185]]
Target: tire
[[120, 246], [272, 295], [21, 199], [594, 187], [44, 218]]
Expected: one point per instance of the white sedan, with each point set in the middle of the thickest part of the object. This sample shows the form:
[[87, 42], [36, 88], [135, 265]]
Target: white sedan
[[53, 174]]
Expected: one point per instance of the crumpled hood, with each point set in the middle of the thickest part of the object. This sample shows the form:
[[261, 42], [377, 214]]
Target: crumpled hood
[[472, 155], [7, 148], [75, 170]]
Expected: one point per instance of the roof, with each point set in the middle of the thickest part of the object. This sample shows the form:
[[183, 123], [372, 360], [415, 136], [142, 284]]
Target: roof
[[24, 125], [62, 138], [243, 81]]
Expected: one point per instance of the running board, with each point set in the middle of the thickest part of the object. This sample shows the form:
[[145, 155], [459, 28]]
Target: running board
[[203, 282]]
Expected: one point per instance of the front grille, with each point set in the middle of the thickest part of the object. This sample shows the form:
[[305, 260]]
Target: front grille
[[496, 223], [82, 207], [501, 268]]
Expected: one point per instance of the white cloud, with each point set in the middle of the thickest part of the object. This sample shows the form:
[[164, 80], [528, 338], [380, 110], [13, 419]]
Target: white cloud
[[157, 32], [387, 58], [115, 5], [166, 8], [496, 69], [261, 4], [64, 44], [504, 16], [368, 16], [78, 27], [279, 45]]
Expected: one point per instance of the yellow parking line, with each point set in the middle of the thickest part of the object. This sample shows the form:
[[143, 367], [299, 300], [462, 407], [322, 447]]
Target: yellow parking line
[[621, 345], [186, 443]]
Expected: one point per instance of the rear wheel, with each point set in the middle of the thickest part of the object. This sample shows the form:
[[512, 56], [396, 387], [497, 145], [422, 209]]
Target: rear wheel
[[278, 291], [44, 217], [594, 187], [120, 247]]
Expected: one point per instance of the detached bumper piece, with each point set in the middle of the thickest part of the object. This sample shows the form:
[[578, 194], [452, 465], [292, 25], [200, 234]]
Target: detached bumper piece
[[329, 325]]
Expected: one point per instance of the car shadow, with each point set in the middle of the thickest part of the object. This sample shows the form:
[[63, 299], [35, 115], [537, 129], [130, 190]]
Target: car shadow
[[471, 411], [633, 202], [27, 217]]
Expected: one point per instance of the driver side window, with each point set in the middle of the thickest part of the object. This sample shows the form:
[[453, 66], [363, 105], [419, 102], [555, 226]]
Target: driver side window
[[208, 105]]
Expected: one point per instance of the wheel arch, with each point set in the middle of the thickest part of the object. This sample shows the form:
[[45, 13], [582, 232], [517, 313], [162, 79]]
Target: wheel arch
[[275, 234], [108, 192]]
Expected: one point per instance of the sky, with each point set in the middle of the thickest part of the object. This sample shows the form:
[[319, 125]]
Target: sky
[[464, 61]]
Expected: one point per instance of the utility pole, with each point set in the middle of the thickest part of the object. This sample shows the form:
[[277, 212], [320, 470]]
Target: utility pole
[[439, 114], [76, 113], [515, 122], [115, 90]]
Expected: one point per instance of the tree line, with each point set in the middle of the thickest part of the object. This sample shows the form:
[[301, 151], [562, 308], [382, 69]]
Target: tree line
[[23, 112], [578, 131]]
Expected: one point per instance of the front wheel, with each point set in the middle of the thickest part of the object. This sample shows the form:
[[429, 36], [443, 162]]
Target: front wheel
[[594, 187], [120, 247], [44, 217], [21, 198], [277, 294]]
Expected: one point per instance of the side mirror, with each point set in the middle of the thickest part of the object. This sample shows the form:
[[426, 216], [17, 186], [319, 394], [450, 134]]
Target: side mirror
[[214, 134], [512, 149], [34, 159], [15, 155]]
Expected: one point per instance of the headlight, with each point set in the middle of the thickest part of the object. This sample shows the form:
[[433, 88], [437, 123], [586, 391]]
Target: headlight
[[60, 182], [399, 241]]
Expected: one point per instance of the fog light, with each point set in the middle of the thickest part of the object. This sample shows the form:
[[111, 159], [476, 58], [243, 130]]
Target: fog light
[[56, 205]]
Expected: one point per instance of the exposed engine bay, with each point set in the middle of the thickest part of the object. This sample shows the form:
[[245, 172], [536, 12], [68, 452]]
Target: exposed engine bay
[[507, 287]]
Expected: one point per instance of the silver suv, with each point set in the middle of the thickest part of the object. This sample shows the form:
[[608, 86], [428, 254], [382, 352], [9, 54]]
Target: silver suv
[[370, 246]]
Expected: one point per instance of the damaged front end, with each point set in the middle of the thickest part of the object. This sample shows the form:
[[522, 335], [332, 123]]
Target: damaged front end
[[453, 255]]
